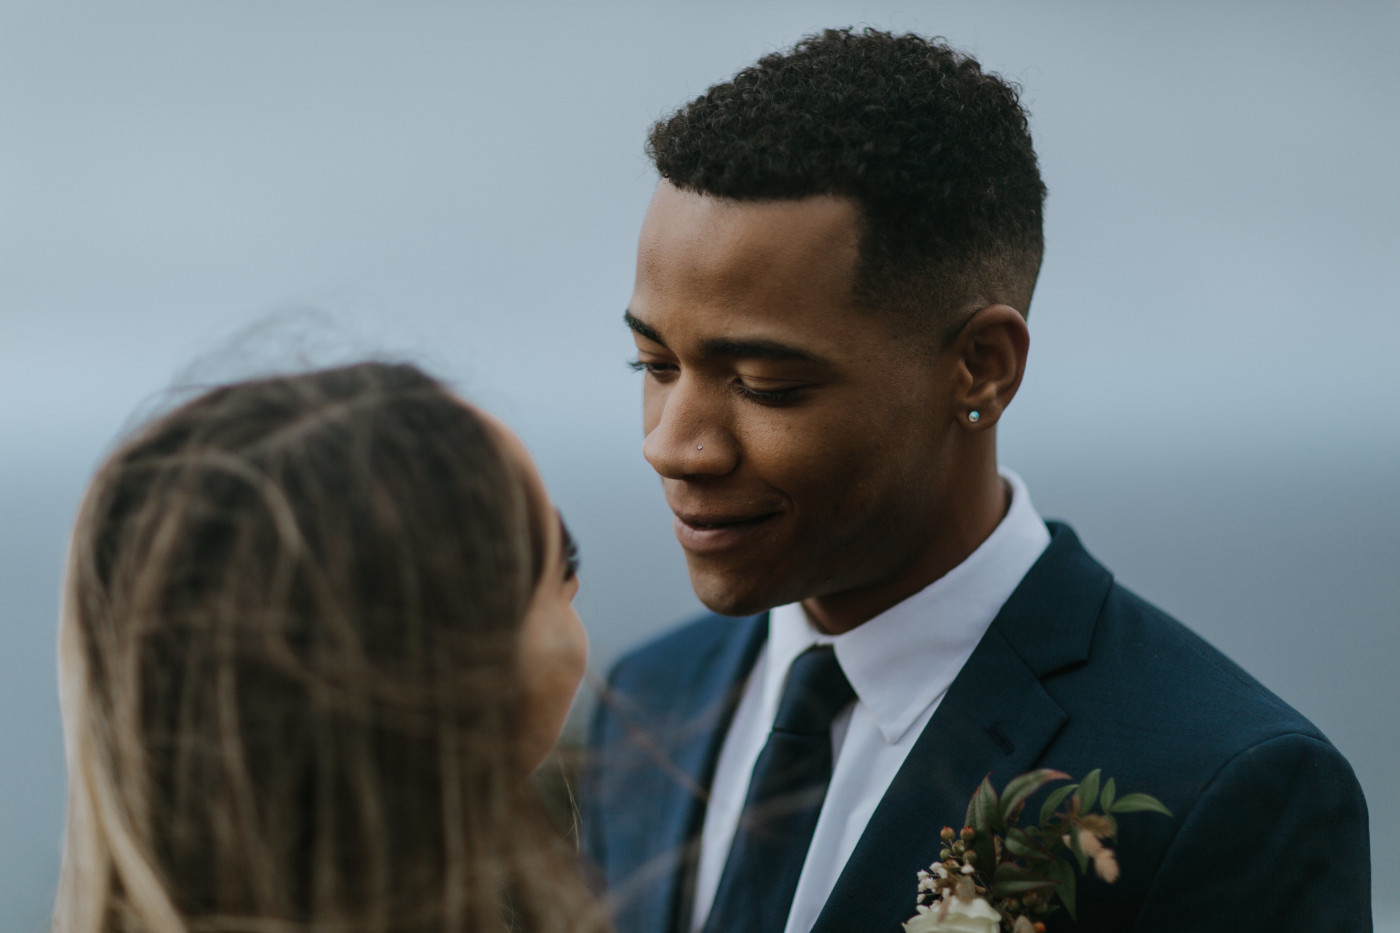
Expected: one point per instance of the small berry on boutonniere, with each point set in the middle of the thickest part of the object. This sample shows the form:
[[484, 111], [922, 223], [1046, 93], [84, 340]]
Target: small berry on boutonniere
[[995, 875]]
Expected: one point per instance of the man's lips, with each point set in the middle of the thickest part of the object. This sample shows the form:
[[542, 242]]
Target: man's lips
[[709, 533]]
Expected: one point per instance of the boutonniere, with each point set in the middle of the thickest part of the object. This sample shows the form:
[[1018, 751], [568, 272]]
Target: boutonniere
[[996, 875]]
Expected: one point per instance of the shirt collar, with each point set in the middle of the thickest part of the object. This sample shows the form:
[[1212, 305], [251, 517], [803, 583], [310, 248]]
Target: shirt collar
[[905, 659]]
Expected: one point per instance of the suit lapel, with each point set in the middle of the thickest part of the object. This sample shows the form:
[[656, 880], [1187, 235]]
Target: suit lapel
[[693, 731], [996, 719]]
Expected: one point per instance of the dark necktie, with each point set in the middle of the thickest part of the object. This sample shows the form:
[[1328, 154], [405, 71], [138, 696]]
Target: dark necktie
[[785, 797]]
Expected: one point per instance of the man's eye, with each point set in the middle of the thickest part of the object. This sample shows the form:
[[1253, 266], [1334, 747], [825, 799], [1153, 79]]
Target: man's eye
[[773, 397], [651, 368]]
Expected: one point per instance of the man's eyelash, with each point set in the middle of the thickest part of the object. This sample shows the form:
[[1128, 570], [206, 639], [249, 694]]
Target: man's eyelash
[[644, 366], [768, 396], [761, 396]]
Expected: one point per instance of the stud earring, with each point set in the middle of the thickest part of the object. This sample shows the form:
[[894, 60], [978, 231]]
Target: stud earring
[[974, 416], [699, 446]]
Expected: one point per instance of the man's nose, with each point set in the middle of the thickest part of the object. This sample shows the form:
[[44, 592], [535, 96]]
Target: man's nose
[[691, 436]]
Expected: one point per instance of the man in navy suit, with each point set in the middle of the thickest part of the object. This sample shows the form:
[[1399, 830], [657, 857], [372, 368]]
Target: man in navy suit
[[830, 312]]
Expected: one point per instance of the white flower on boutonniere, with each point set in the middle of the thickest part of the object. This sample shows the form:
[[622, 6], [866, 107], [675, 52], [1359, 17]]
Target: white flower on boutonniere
[[996, 875], [955, 915]]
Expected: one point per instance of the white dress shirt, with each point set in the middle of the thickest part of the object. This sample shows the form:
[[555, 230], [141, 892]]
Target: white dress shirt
[[901, 664]]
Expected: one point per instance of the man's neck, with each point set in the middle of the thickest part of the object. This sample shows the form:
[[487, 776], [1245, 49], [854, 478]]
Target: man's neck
[[983, 509]]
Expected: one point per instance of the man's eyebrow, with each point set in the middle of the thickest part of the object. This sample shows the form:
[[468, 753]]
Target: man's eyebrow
[[642, 328], [730, 348], [726, 348]]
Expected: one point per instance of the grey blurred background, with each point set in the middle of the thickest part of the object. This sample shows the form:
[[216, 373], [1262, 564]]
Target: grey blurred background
[[1213, 397]]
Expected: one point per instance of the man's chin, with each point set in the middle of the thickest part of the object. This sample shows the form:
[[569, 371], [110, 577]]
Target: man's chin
[[733, 598]]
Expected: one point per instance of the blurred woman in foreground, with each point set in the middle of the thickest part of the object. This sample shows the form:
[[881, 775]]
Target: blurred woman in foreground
[[317, 631]]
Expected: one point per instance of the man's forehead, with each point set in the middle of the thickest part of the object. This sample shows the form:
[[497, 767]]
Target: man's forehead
[[701, 244]]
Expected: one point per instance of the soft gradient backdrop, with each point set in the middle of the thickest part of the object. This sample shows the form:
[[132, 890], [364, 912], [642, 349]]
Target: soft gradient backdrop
[[1213, 397]]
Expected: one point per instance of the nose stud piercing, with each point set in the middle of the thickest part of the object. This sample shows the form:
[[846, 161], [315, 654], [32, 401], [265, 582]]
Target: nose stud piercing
[[974, 416], [699, 446]]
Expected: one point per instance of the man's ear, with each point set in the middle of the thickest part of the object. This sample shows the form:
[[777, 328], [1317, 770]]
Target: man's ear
[[991, 353]]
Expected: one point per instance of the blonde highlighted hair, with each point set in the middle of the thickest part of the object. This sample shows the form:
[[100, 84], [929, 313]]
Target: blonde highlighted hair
[[289, 655]]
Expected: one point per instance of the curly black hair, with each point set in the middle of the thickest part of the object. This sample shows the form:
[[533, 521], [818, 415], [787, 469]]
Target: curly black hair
[[936, 153]]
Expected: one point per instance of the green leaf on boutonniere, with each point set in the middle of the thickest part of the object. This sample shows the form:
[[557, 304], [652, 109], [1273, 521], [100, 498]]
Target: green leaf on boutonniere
[[983, 812], [1003, 889], [1132, 803], [1088, 792], [973, 816], [1020, 844], [1107, 794], [984, 816], [1052, 803], [1014, 795], [1011, 879], [1063, 876], [1011, 873]]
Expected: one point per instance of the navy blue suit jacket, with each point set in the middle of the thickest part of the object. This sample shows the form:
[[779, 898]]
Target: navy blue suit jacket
[[1269, 829]]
